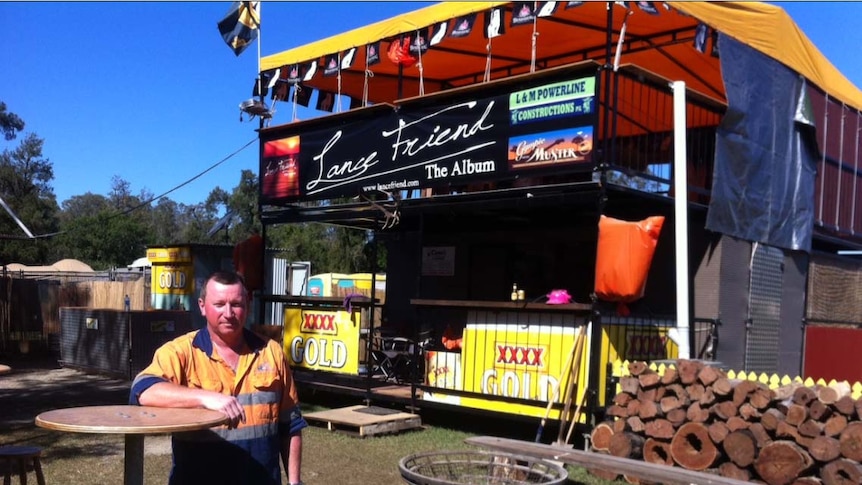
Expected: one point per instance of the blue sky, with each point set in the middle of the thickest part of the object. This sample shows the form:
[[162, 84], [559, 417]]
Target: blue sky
[[149, 91]]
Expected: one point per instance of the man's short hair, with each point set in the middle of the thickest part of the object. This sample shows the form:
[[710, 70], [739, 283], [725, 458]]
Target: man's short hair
[[224, 277]]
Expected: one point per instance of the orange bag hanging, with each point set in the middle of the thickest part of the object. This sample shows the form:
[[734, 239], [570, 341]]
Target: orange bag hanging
[[624, 256], [247, 259]]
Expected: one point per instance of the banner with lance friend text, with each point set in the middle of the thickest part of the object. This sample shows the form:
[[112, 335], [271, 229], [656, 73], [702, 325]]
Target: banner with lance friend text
[[544, 124]]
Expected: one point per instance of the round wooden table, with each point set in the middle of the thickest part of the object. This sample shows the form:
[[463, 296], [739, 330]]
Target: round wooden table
[[132, 421]]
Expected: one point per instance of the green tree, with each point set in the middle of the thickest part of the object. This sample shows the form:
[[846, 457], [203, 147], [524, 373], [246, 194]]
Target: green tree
[[243, 203], [301, 242], [83, 205], [329, 248], [106, 232], [25, 186], [165, 222], [104, 240], [67, 244], [194, 223], [10, 123]]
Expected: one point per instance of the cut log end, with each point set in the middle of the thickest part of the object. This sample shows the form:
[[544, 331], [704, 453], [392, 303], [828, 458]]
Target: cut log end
[[842, 471], [692, 448], [851, 441], [626, 445], [729, 470], [600, 438], [825, 449], [782, 462], [741, 447], [656, 451]]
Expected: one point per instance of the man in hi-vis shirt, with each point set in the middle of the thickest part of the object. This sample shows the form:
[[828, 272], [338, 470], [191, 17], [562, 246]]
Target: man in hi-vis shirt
[[226, 367]]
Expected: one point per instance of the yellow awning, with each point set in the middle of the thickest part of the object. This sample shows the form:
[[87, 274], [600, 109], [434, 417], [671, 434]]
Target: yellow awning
[[661, 44], [384, 29], [770, 30]]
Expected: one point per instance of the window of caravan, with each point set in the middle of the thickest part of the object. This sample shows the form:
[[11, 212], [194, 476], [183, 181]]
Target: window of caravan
[[339, 285]]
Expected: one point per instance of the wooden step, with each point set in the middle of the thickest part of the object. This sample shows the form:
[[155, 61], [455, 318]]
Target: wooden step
[[365, 420]]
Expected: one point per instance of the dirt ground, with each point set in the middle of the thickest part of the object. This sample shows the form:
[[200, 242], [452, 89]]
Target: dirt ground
[[39, 384], [36, 386]]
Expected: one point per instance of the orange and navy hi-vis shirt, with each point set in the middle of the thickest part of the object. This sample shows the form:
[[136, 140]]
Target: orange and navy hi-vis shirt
[[264, 386]]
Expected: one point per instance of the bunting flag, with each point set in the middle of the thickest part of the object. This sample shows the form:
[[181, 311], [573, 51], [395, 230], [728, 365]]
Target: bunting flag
[[494, 25], [301, 95], [310, 71], [419, 42], [331, 65], [348, 58], [622, 4], [700, 35], [546, 9], [522, 14], [267, 81], [239, 28], [293, 74], [325, 101], [281, 90], [573, 4], [714, 52], [620, 41], [463, 26], [271, 77], [438, 33], [372, 54], [648, 7]]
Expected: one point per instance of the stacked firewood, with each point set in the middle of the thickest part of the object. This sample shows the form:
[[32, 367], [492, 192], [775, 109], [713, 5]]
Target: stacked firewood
[[695, 417]]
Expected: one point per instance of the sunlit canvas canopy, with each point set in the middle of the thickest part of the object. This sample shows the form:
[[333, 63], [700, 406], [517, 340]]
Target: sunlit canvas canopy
[[745, 48], [767, 152], [661, 43]]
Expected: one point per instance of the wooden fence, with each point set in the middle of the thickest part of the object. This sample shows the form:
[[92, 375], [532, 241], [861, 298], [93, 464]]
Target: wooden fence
[[30, 305]]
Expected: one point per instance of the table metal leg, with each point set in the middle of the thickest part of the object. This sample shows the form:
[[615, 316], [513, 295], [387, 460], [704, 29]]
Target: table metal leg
[[133, 473]]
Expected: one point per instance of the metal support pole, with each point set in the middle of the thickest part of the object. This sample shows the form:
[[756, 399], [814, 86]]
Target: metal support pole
[[369, 359], [595, 366], [680, 199]]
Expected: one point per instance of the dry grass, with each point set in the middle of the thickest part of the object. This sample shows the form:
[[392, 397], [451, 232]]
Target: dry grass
[[329, 457]]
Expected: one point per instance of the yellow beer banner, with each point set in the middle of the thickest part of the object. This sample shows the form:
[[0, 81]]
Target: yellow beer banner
[[628, 342], [519, 361], [169, 255], [322, 340], [169, 279], [527, 362]]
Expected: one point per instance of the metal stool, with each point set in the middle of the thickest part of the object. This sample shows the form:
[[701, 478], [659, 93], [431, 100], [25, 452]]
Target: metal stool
[[20, 456]]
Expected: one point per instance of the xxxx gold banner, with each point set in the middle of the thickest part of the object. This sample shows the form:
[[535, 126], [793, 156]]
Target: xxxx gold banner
[[322, 340], [519, 361]]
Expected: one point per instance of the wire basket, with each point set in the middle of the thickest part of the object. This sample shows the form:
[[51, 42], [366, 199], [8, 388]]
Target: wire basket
[[478, 468]]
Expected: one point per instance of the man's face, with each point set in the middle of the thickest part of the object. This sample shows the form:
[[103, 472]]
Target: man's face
[[224, 309]]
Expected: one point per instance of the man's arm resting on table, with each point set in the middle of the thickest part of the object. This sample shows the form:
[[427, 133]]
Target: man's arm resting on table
[[154, 391]]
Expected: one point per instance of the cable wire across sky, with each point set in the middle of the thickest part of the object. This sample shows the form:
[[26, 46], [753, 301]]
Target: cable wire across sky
[[142, 204]]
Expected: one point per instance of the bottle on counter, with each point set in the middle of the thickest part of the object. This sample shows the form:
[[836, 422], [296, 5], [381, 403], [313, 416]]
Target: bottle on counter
[[514, 291], [521, 295]]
